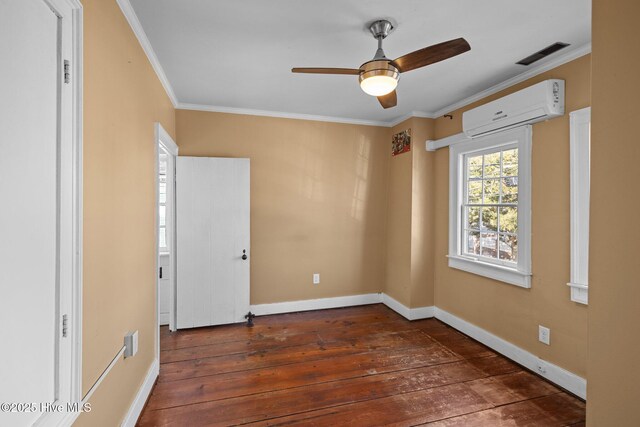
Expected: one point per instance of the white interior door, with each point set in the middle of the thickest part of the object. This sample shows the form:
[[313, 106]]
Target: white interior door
[[212, 236], [30, 105]]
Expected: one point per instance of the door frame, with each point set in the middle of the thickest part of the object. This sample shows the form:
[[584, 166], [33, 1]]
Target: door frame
[[70, 174], [163, 140]]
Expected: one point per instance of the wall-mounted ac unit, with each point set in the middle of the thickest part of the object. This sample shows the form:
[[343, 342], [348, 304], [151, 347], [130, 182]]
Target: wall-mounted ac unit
[[542, 101]]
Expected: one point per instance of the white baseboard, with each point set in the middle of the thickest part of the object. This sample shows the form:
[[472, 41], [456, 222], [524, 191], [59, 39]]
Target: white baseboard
[[348, 301], [565, 379], [315, 304], [406, 312], [135, 410]]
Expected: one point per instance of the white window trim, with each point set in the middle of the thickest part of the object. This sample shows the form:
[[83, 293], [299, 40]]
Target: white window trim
[[580, 125], [520, 275]]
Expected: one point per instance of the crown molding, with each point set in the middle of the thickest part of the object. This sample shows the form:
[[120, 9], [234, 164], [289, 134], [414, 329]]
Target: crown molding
[[136, 26], [531, 72], [420, 114], [279, 114]]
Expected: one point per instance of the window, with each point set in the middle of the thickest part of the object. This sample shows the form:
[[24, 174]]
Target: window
[[489, 226]]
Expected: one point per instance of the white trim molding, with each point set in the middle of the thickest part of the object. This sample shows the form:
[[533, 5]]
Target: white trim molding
[[138, 403], [580, 126], [433, 145], [347, 301], [315, 304], [280, 114], [70, 172], [406, 312], [136, 26], [520, 274], [412, 114], [565, 379], [550, 64]]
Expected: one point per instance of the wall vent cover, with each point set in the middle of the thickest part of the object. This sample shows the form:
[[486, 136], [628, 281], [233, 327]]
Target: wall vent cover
[[542, 53]]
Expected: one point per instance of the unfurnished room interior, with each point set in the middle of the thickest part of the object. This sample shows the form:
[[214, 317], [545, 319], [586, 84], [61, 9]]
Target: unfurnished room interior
[[323, 213]]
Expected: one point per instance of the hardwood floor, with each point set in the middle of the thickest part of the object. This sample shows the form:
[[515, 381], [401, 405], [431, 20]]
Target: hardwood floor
[[360, 366]]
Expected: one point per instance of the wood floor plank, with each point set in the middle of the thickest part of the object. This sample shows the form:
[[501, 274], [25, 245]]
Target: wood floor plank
[[274, 326], [355, 366], [496, 365], [317, 396], [556, 410], [513, 387], [398, 410], [263, 343], [202, 389], [292, 354]]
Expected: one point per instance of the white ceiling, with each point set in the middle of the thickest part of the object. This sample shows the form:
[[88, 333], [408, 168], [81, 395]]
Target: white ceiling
[[238, 53]]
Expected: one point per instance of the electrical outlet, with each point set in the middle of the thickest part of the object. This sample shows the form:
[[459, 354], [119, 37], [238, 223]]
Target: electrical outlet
[[131, 344], [316, 278], [544, 335]]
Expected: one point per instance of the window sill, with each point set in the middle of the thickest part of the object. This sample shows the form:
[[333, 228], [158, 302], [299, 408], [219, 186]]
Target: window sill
[[579, 293], [496, 272]]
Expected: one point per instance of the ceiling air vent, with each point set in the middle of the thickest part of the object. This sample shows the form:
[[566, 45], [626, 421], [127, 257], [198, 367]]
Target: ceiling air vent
[[542, 53]]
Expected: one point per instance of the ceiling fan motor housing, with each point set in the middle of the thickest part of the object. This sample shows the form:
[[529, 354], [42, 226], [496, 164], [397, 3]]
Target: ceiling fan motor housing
[[378, 68]]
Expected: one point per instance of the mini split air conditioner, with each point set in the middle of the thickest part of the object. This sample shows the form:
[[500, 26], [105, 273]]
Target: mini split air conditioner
[[542, 101]]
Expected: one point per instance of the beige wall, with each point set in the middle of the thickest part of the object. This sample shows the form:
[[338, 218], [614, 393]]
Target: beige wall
[[122, 100], [318, 200], [410, 218], [508, 311], [614, 294], [398, 259], [422, 215]]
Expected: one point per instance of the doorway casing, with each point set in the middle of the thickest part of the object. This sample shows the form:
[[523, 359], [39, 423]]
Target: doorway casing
[[164, 142]]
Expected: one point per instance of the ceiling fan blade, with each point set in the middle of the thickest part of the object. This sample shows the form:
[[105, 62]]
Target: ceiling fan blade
[[353, 71], [389, 100], [431, 55]]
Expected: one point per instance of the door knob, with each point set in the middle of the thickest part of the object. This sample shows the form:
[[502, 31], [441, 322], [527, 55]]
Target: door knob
[[244, 254]]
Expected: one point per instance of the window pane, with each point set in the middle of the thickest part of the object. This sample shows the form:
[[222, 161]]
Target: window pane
[[474, 167], [492, 165], [509, 219], [510, 170], [510, 157], [162, 237], [488, 242], [491, 191], [510, 190], [474, 192], [162, 215], [473, 217], [509, 247], [490, 218], [473, 242]]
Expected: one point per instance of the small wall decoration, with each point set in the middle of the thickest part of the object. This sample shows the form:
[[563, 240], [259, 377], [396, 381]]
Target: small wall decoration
[[401, 142]]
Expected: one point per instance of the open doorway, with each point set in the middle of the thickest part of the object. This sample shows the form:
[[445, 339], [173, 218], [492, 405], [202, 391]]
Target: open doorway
[[166, 153]]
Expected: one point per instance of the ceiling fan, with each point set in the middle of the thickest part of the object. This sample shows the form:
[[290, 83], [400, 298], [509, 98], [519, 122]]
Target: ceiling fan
[[379, 77]]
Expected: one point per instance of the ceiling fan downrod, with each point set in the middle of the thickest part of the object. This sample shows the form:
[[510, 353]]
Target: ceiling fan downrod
[[380, 30]]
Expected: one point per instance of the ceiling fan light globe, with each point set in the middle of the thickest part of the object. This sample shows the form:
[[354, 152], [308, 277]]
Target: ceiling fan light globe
[[378, 77], [379, 85]]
